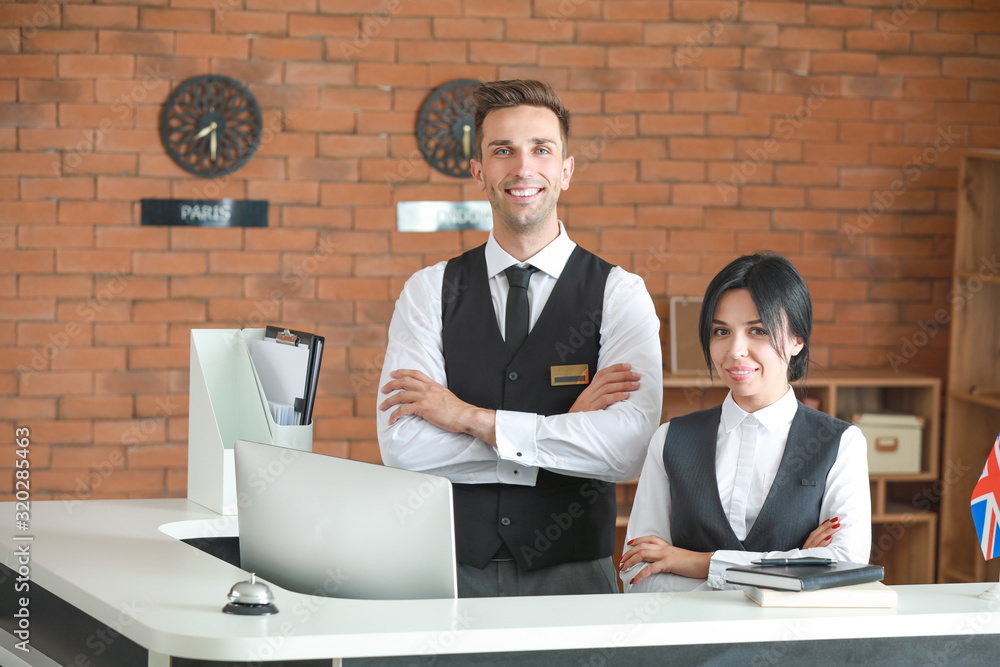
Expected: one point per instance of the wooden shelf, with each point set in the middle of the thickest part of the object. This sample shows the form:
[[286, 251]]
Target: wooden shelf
[[987, 400], [916, 477], [900, 512], [977, 275], [972, 407]]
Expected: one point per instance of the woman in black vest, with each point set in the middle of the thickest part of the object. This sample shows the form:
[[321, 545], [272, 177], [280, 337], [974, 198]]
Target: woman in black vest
[[761, 475]]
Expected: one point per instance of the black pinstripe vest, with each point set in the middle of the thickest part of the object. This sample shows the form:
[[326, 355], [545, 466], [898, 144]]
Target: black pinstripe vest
[[790, 512], [560, 519]]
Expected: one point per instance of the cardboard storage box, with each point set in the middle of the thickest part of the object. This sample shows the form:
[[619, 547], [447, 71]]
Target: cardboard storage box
[[894, 443]]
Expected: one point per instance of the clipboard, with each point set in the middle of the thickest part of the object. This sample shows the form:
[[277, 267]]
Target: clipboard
[[306, 358]]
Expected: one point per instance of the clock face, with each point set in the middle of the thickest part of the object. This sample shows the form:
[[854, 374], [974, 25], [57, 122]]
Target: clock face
[[446, 127], [211, 125]]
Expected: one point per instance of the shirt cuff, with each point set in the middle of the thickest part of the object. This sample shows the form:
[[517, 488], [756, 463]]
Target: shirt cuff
[[717, 567], [515, 435]]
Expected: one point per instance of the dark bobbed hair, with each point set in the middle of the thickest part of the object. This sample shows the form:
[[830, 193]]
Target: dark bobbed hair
[[780, 295], [494, 95]]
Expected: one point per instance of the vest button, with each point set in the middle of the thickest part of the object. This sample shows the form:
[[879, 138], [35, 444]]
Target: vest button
[[512, 376], [505, 521]]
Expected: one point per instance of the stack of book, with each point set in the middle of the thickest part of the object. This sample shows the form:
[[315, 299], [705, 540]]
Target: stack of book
[[831, 585]]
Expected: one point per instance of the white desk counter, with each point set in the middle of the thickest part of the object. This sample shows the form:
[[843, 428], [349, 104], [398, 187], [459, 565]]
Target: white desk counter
[[112, 560]]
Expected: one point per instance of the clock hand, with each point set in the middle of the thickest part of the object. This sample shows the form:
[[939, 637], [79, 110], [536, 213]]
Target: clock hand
[[214, 142], [466, 141], [205, 130]]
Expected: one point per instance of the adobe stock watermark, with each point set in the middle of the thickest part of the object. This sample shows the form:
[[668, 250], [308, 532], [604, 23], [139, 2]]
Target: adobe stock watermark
[[577, 334], [223, 7], [562, 12], [270, 646], [260, 479], [417, 496], [362, 380], [372, 25], [275, 125], [777, 652], [445, 641], [46, 15], [102, 639], [121, 107], [793, 462], [269, 307], [138, 432], [784, 129], [912, 170], [695, 390], [613, 128], [924, 503], [695, 47], [654, 260], [646, 609], [927, 329], [406, 167], [87, 312], [950, 652], [899, 15], [929, 496], [561, 523]]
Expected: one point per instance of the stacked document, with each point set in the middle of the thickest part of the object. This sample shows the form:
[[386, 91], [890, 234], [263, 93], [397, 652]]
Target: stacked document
[[287, 363], [793, 577], [874, 594], [800, 583]]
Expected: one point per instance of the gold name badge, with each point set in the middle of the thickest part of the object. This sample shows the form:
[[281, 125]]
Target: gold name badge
[[568, 375]]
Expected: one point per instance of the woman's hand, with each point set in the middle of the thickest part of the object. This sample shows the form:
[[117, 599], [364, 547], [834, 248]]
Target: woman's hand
[[823, 534], [664, 557]]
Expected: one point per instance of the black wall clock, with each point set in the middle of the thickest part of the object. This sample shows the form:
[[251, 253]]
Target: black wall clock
[[211, 125], [446, 127]]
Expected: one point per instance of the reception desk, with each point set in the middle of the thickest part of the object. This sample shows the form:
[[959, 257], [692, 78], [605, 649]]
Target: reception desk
[[112, 584]]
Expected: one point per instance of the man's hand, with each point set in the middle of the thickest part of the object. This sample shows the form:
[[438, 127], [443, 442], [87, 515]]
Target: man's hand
[[610, 385], [419, 395], [664, 557]]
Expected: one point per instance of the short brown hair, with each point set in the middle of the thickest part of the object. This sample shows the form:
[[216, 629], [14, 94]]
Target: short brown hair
[[494, 95]]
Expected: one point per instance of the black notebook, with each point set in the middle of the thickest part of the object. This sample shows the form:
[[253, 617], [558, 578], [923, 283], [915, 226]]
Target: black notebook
[[805, 577]]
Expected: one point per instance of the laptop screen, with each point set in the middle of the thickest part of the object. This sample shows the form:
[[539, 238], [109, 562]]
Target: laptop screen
[[329, 526]]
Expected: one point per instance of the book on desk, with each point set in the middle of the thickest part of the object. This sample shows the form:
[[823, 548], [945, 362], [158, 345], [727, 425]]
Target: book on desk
[[805, 577], [832, 585], [873, 594]]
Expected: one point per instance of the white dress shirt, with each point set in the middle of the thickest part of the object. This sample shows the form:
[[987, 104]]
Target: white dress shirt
[[606, 444], [748, 451]]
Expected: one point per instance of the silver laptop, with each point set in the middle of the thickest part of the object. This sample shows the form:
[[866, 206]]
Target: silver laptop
[[328, 526]]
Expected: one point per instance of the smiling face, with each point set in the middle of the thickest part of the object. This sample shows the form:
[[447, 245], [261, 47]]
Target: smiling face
[[742, 353], [522, 169]]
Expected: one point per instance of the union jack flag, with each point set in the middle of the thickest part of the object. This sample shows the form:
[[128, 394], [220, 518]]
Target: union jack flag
[[985, 511]]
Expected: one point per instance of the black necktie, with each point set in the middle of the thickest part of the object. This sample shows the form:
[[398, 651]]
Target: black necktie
[[516, 329]]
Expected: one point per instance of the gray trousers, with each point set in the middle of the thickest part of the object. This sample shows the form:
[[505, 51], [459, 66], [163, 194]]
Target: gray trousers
[[504, 578]]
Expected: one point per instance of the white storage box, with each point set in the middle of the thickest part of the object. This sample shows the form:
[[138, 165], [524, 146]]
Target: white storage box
[[894, 443]]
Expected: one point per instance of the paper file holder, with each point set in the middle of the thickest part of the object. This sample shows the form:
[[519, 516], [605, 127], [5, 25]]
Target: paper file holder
[[227, 404]]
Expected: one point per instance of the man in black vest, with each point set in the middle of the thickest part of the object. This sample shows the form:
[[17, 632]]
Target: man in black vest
[[514, 370]]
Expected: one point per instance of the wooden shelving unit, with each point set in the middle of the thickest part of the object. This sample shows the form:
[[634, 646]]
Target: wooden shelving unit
[[904, 520], [973, 391]]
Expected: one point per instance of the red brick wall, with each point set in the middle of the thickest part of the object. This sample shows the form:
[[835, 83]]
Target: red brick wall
[[827, 131]]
